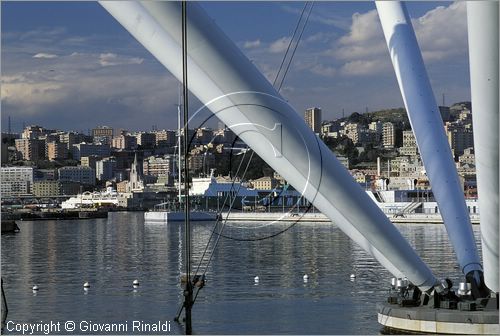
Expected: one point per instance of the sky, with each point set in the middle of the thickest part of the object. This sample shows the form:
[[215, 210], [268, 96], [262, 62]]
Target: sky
[[72, 66]]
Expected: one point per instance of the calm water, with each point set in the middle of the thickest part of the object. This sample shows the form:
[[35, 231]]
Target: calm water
[[110, 253]]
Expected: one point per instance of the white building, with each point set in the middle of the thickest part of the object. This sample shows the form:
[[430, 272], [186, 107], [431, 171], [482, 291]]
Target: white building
[[16, 181]]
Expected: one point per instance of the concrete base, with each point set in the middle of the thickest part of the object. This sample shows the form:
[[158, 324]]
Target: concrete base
[[425, 320]]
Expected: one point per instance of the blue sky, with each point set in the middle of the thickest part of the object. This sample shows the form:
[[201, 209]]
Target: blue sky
[[70, 65]]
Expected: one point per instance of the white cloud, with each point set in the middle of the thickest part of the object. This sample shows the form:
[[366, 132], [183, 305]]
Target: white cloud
[[279, 45], [442, 32], [252, 44], [45, 55], [111, 59], [323, 70]]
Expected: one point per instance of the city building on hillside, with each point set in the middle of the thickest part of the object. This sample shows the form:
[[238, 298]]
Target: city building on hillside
[[124, 141], [31, 149], [165, 138], [102, 135], [158, 166], [468, 157], [388, 135], [90, 161], [84, 149], [312, 117], [16, 181], [146, 139], [57, 151], [105, 169], [80, 174]]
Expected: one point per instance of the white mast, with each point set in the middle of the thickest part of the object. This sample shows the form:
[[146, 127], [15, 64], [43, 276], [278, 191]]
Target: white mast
[[482, 19], [179, 169], [231, 87], [429, 132]]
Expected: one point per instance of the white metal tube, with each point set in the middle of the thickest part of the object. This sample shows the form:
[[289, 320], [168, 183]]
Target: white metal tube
[[482, 19], [429, 132], [232, 88]]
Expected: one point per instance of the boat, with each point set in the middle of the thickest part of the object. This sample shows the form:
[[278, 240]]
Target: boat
[[88, 199], [168, 212]]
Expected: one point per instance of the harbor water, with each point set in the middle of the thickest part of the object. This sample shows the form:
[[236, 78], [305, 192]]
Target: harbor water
[[59, 256]]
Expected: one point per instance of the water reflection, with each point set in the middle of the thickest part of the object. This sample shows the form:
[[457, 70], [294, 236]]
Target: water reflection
[[110, 253]]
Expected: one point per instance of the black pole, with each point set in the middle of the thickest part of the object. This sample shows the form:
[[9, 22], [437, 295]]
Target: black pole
[[188, 290]]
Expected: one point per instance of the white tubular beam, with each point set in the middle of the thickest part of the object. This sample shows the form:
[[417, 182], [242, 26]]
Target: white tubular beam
[[233, 89], [482, 19], [428, 127]]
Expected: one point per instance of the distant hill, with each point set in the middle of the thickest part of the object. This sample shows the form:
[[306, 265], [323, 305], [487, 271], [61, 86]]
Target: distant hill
[[393, 115]]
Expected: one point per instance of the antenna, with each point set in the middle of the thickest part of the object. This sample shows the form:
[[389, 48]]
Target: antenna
[[443, 101], [343, 114], [10, 129]]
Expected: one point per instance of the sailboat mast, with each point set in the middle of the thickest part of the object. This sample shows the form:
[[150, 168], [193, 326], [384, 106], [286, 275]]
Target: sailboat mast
[[188, 292], [179, 169]]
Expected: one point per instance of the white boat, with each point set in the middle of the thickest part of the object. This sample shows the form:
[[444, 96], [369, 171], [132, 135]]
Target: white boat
[[92, 199], [163, 217]]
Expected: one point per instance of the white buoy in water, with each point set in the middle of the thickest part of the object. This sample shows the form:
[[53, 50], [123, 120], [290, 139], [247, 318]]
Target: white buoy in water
[[135, 283], [353, 276], [35, 287], [86, 284], [305, 277], [256, 279]]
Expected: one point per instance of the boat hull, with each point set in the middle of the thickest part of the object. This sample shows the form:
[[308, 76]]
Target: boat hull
[[163, 217]]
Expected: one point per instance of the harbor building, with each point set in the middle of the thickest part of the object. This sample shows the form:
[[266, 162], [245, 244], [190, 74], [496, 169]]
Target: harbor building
[[16, 181], [55, 188]]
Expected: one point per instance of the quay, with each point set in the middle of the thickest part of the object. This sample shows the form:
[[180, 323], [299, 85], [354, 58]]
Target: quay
[[319, 217]]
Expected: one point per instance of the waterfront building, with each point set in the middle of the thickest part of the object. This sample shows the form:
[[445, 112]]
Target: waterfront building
[[204, 135], [388, 135], [264, 183], [312, 117], [55, 188], [57, 151], [105, 169], [84, 149], [224, 136], [16, 181], [81, 174], [45, 174], [31, 149]]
